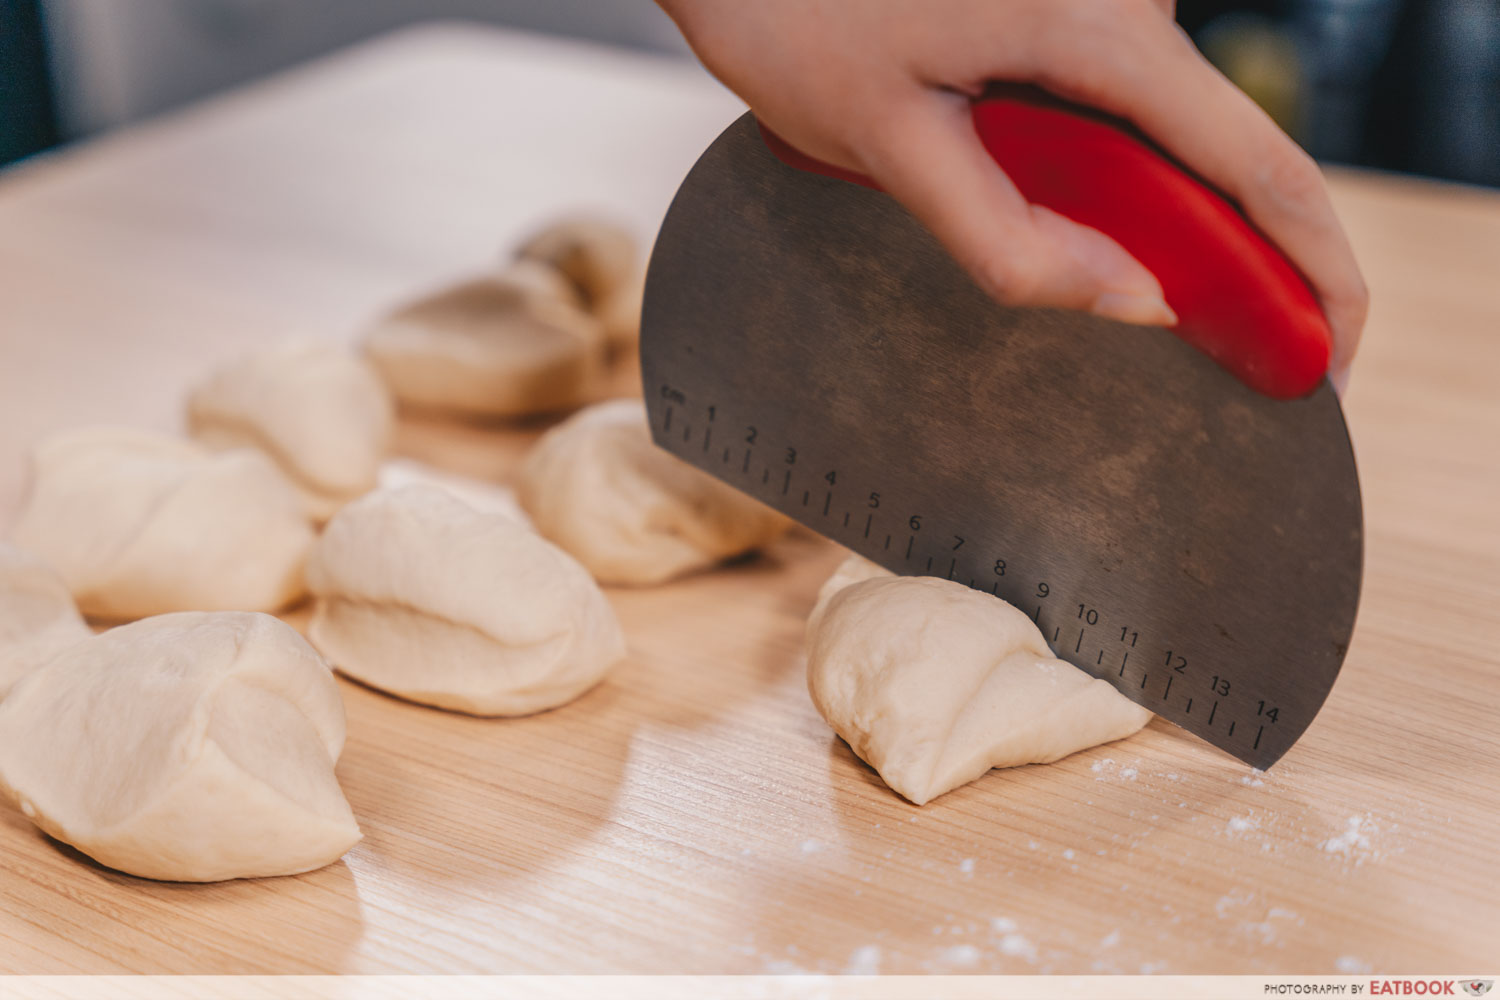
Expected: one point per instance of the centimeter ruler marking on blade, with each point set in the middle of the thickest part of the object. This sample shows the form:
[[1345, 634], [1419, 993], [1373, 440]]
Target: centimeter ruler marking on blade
[[1081, 632]]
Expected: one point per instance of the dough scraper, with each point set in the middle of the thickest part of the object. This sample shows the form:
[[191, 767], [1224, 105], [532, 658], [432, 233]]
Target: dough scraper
[[1178, 510]]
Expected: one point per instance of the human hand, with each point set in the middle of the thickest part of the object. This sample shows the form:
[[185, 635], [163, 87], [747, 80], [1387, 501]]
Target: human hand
[[883, 87]]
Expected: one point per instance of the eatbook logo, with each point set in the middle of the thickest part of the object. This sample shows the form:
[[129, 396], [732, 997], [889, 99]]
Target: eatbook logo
[[1477, 987]]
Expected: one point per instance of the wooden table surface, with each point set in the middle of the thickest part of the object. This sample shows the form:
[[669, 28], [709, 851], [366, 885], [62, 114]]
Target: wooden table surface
[[693, 814]]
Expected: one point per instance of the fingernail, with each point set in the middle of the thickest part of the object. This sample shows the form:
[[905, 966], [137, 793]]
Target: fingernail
[[1142, 310]]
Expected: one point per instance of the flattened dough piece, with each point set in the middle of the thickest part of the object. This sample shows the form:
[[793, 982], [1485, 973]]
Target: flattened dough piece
[[629, 511], [506, 345], [319, 411], [138, 523], [932, 683], [423, 596], [595, 253], [189, 747], [37, 615]]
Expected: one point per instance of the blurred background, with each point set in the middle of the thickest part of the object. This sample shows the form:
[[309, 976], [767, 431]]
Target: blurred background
[[1406, 85]]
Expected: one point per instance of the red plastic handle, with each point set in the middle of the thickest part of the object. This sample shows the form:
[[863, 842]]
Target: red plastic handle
[[1236, 297]]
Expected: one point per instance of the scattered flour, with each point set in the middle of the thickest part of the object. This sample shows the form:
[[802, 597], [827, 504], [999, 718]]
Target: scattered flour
[[1242, 824], [966, 866], [1017, 946], [962, 954], [864, 962], [811, 846], [1002, 925], [1068, 853], [1351, 966], [1354, 843], [1110, 940]]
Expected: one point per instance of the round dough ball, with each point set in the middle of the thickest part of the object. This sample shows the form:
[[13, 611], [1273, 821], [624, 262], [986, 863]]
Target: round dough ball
[[189, 747], [319, 411], [485, 497], [37, 615], [423, 596], [138, 523], [932, 683], [629, 511], [508, 345], [596, 254]]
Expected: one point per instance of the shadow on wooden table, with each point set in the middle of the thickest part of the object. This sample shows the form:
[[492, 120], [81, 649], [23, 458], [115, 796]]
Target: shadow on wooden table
[[112, 918]]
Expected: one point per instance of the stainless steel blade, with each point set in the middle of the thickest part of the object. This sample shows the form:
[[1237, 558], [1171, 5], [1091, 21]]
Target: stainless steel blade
[[1195, 544]]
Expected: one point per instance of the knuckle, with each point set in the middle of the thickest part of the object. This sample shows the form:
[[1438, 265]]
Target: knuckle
[[1292, 180], [1012, 276]]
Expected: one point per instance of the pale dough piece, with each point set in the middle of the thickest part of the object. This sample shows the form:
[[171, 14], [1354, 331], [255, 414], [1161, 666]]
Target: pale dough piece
[[321, 412], [190, 747], [423, 596], [932, 683], [506, 345], [485, 497], [629, 511], [37, 615], [596, 254], [138, 523]]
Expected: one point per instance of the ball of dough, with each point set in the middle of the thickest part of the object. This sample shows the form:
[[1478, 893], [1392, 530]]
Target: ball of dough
[[629, 511], [932, 683], [596, 254], [620, 313], [319, 411], [507, 345], [485, 497], [423, 596], [37, 615], [192, 747], [139, 523]]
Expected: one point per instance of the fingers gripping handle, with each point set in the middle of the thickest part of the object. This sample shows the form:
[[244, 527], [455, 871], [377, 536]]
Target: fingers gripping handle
[[1237, 298]]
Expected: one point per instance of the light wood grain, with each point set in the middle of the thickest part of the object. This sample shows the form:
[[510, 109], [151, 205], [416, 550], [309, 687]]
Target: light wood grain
[[693, 814]]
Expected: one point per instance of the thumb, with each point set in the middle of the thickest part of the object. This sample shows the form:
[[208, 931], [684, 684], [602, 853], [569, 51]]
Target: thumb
[[930, 159]]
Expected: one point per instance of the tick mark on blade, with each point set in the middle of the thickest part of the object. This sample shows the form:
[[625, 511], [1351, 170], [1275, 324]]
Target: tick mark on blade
[[1056, 632], [846, 519], [1037, 615], [951, 567], [666, 423], [868, 519], [929, 565], [828, 500], [687, 431], [765, 477], [1143, 679], [1099, 660], [726, 456], [995, 588], [806, 494], [1258, 733], [787, 483], [909, 541], [1169, 688], [1124, 660], [1231, 728], [746, 466], [887, 541], [708, 432], [1189, 710], [1211, 712], [1079, 644]]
